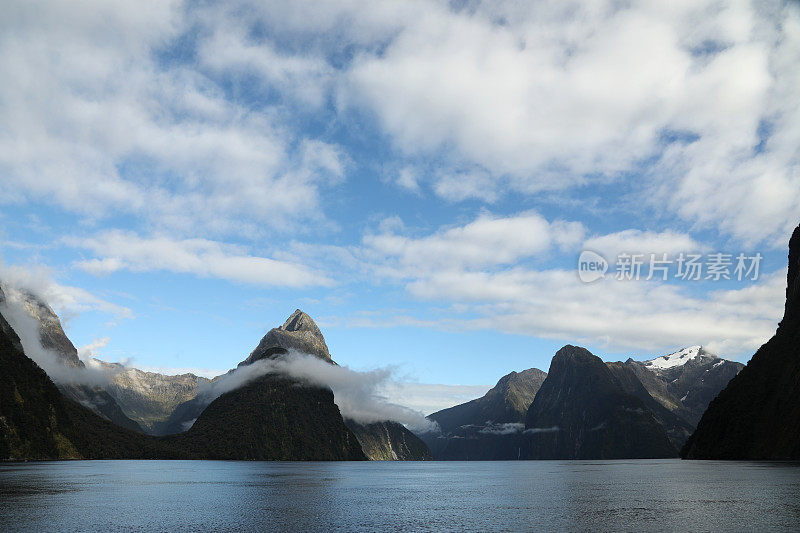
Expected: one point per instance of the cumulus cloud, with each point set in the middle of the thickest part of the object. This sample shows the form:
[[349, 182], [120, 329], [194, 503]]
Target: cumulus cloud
[[634, 241], [99, 122], [486, 241], [558, 94], [616, 315], [92, 350], [127, 251], [358, 394]]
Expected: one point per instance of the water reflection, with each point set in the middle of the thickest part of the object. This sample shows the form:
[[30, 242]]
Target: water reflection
[[499, 496]]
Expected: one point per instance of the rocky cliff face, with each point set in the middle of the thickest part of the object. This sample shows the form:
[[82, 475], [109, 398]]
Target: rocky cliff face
[[55, 342], [685, 382], [299, 332], [389, 441], [757, 416], [147, 397], [582, 411], [38, 422]]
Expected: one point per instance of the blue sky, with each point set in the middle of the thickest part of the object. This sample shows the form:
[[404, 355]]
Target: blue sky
[[176, 178]]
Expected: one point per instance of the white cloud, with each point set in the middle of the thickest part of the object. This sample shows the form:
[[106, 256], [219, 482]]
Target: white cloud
[[554, 94], [643, 242], [487, 240], [431, 397], [358, 394], [66, 300], [96, 123], [92, 349], [408, 179], [614, 314], [124, 250]]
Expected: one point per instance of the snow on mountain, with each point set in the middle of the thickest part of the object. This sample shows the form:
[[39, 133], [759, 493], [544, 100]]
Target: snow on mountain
[[678, 358]]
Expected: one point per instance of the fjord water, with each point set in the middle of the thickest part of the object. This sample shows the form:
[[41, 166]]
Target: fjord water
[[658, 495]]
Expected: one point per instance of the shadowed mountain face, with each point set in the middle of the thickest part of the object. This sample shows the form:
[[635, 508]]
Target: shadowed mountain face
[[677, 428], [381, 440], [582, 411], [757, 416], [55, 341], [389, 441], [299, 332], [269, 419], [38, 422], [686, 388], [506, 402]]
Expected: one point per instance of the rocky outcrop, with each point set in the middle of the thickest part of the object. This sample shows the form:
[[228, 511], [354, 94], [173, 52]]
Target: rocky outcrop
[[299, 332], [582, 411], [389, 441], [757, 416], [486, 428]]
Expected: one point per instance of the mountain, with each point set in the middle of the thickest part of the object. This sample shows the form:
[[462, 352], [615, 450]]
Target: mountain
[[299, 332], [507, 401], [757, 416], [485, 428], [380, 440], [678, 429], [389, 441], [268, 419], [37, 422], [148, 398], [75, 383], [582, 411], [686, 381]]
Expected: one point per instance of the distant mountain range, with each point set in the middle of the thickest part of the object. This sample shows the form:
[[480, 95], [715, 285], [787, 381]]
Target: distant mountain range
[[582, 408], [267, 418], [588, 409]]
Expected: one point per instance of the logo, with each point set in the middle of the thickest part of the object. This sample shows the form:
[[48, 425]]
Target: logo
[[591, 266]]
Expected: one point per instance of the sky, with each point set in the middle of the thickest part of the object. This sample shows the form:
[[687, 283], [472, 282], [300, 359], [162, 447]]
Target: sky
[[176, 178]]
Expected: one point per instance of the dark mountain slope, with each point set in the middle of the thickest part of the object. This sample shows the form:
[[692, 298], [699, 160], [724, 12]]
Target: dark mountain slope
[[389, 441], [37, 422], [53, 339], [272, 418], [757, 416], [677, 428], [583, 412], [507, 401]]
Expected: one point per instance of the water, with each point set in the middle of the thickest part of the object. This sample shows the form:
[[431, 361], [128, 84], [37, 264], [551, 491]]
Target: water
[[637, 495]]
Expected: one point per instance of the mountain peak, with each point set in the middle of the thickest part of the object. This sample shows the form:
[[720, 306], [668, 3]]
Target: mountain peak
[[679, 358], [299, 333], [300, 321]]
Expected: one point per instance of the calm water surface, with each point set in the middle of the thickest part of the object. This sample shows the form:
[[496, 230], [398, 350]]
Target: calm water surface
[[638, 495]]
